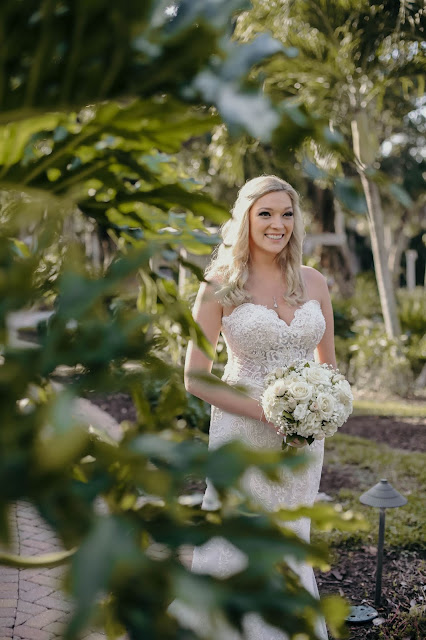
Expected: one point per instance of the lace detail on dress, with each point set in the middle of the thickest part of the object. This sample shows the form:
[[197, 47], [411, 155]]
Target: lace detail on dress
[[258, 341]]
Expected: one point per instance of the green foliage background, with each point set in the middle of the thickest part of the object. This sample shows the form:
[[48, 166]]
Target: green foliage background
[[96, 101]]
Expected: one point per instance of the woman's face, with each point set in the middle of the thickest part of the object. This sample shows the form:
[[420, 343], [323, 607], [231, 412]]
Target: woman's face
[[271, 221]]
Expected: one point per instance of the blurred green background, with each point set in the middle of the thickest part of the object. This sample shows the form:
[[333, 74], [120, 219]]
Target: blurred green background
[[125, 133]]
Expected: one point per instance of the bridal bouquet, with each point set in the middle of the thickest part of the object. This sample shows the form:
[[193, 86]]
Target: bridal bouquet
[[307, 400]]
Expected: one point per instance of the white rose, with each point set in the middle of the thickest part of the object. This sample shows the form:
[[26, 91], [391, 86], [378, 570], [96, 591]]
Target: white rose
[[279, 373], [337, 377], [326, 405], [317, 375], [279, 388], [300, 411], [344, 390], [300, 391]]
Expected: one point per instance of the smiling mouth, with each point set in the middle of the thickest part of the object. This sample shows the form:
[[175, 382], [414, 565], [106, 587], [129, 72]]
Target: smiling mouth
[[274, 236]]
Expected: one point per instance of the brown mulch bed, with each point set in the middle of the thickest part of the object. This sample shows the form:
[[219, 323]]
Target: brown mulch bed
[[336, 477], [353, 570], [118, 405], [353, 576], [398, 433]]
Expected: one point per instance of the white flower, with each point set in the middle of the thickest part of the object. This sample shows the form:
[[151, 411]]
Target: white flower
[[329, 429], [300, 411], [318, 397], [317, 375], [279, 388], [292, 403], [300, 391], [312, 425], [293, 376], [344, 390], [326, 405], [340, 415]]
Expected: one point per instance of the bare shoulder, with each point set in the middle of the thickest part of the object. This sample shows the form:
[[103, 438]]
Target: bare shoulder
[[316, 283], [210, 287], [311, 275], [206, 297]]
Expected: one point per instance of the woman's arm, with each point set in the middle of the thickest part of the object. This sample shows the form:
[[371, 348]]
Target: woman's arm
[[208, 314], [319, 289]]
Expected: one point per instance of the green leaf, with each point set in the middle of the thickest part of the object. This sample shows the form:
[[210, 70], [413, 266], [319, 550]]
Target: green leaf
[[109, 548], [242, 57], [350, 193], [335, 611], [313, 171], [401, 195], [36, 562], [248, 110], [175, 196], [21, 248]]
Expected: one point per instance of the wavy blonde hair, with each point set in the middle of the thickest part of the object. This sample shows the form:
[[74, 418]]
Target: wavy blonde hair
[[230, 261]]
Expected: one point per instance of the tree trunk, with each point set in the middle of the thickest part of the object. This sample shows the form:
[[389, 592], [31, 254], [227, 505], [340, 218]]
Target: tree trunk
[[396, 242], [365, 148], [381, 267]]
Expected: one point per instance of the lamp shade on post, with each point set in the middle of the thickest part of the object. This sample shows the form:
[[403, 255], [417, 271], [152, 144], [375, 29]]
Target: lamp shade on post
[[382, 496]]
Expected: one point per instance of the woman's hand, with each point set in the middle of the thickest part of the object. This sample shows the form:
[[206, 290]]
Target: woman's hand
[[296, 441]]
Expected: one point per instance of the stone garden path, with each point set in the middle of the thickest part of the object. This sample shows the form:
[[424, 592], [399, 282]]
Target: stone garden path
[[33, 605]]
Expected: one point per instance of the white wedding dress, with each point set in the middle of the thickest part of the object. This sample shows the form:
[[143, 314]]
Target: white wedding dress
[[258, 341]]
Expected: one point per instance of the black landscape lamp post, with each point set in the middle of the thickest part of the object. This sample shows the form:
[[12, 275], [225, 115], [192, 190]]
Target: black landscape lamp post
[[383, 496]]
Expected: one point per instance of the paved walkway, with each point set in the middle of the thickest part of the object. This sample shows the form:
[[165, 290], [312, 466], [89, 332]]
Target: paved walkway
[[33, 605]]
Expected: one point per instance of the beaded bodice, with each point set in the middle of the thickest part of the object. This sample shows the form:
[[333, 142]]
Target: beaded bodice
[[258, 341]]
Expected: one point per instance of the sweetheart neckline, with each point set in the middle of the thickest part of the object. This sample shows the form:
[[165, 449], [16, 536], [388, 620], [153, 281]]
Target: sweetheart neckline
[[253, 304]]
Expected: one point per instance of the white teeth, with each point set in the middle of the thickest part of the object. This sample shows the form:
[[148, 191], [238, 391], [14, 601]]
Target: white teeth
[[274, 237]]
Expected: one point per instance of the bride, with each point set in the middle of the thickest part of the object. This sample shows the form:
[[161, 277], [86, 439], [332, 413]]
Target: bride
[[271, 311]]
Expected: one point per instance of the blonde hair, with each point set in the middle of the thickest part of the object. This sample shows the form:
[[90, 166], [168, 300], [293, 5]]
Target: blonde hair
[[229, 265]]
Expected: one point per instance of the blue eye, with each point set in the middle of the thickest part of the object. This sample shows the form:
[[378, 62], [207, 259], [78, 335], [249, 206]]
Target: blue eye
[[267, 213]]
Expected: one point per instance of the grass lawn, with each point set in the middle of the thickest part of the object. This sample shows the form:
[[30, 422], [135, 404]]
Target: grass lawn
[[352, 465], [397, 407], [363, 464]]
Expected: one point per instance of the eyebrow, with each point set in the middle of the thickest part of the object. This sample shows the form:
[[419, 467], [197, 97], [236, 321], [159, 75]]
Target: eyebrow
[[269, 209]]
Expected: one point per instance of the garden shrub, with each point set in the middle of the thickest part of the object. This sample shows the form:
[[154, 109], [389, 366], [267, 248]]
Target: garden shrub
[[412, 310], [379, 363], [364, 303], [412, 316], [364, 352]]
